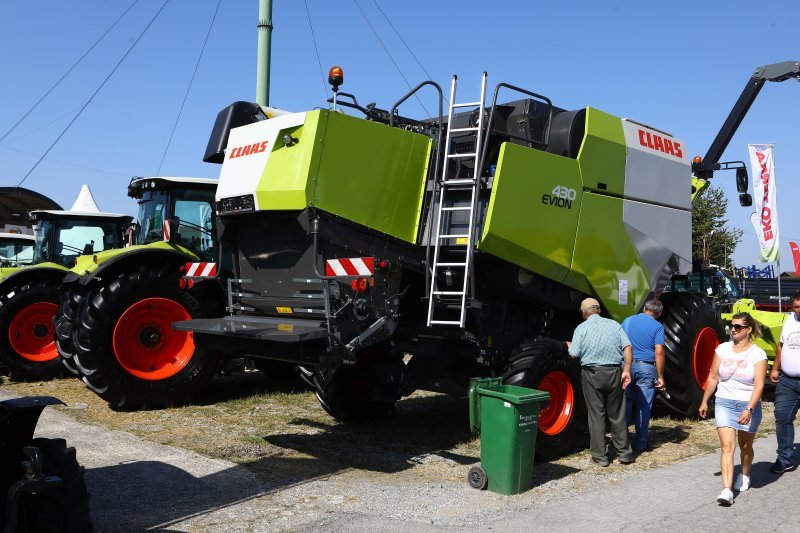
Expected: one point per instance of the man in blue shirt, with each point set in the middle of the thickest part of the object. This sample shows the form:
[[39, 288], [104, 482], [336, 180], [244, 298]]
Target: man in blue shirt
[[646, 334], [605, 354]]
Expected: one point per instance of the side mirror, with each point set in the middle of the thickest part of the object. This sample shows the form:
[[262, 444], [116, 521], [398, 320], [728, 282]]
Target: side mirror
[[745, 200], [741, 180]]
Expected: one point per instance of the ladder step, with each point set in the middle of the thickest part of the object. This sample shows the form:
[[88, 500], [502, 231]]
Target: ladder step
[[461, 156], [454, 236], [461, 130], [450, 265], [469, 104], [446, 322], [448, 293], [465, 181], [458, 208]]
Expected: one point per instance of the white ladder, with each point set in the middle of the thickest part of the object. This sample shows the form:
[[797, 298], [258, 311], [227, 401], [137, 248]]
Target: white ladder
[[461, 184]]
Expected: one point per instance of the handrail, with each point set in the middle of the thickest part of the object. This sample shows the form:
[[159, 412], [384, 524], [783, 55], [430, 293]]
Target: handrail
[[435, 167]]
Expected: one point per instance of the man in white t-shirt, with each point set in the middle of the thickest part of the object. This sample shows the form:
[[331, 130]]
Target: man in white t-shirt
[[786, 374]]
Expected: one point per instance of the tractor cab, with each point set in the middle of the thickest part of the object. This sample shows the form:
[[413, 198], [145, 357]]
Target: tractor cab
[[62, 236], [16, 249], [175, 210]]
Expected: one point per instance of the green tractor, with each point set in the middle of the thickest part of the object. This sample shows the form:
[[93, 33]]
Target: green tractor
[[29, 294], [113, 324], [386, 254]]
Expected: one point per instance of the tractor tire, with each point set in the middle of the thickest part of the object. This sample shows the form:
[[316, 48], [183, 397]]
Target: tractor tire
[[125, 347], [692, 331], [70, 298], [563, 425], [27, 347], [62, 508], [350, 394]]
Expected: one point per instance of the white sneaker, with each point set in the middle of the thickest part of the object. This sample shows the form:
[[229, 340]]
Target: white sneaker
[[725, 497], [742, 483]]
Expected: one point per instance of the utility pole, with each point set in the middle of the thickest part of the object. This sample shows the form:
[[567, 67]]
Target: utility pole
[[264, 46]]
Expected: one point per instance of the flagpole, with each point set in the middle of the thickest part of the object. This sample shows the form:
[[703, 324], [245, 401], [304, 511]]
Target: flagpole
[[780, 302]]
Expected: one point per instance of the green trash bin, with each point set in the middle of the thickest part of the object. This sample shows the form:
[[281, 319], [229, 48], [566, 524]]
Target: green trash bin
[[507, 419]]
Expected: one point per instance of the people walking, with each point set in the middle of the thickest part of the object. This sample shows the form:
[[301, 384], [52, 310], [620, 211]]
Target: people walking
[[738, 372], [605, 355], [786, 375], [646, 334]]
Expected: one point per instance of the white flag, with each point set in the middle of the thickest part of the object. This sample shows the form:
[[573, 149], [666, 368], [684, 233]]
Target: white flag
[[765, 219]]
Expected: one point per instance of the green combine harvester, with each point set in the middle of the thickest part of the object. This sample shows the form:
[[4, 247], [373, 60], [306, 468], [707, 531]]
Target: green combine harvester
[[385, 254], [113, 324], [29, 294]]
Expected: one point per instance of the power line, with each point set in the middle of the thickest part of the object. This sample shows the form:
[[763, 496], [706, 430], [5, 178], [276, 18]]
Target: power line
[[388, 54], [29, 111], [319, 62], [67, 163], [95, 93], [185, 96], [403, 41]]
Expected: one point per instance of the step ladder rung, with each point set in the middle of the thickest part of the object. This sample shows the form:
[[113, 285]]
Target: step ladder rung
[[463, 181], [462, 156], [462, 130], [451, 264], [454, 236], [468, 104], [448, 293], [458, 208], [446, 322]]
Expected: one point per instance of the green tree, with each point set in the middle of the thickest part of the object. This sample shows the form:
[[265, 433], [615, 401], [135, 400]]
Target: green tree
[[712, 240]]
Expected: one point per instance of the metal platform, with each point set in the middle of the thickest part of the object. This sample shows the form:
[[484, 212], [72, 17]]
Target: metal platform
[[257, 328]]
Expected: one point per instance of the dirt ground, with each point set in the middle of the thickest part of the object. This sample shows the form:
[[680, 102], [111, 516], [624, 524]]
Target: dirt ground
[[284, 435]]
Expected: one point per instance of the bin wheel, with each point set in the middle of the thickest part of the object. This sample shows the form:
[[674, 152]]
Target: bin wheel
[[477, 478]]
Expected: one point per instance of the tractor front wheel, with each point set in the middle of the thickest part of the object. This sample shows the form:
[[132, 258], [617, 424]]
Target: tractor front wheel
[[126, 348], [27, 347]]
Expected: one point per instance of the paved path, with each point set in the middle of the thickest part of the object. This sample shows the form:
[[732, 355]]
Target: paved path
[[137, 485]]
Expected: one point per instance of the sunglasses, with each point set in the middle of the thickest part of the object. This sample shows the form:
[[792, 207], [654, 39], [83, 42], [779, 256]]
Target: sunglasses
[[738, 327]]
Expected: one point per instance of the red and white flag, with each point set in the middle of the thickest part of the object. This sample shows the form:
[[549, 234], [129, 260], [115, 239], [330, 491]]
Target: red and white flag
[[795, 256], [765, 219]]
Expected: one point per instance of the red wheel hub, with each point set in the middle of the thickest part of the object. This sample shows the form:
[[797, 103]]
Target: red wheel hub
[[555, 417], [31, 332], [146, 345], [703, 354]]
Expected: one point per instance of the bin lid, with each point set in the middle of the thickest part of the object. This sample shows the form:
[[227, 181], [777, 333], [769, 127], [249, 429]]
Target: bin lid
[[513, 393]]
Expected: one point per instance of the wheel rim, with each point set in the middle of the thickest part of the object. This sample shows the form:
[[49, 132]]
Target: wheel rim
[[703, 354], [146, 345], [31, 332], [555, 417]]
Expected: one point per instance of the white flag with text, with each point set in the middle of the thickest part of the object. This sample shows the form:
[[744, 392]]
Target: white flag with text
[[765, 219]]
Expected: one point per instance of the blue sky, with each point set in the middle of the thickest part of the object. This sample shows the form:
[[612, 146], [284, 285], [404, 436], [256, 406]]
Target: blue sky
[[678, 66]]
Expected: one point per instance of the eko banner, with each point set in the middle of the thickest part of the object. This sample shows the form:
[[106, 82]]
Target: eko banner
[[765, 219]]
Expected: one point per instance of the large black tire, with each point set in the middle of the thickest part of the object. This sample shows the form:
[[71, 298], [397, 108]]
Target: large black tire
[[542, 364], [351, 393], [70, 297], [64, 508], [27, 348], [692, 331], [125, 348]]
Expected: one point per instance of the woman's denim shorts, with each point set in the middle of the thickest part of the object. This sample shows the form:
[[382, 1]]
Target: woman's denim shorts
[[727, 412]]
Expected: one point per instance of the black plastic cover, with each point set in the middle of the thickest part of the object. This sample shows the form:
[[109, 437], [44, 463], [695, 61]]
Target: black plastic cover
[[235, 115]]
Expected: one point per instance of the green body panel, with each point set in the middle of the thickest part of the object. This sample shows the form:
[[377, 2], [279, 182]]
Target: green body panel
[[602, 155], [9, 272], [771, 324], [90, 263], [523, 184], [582, 243], [507, 417], [285, 180], [359, 170]]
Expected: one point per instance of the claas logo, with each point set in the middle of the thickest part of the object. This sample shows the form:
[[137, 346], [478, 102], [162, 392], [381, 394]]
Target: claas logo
[[248, 149]]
